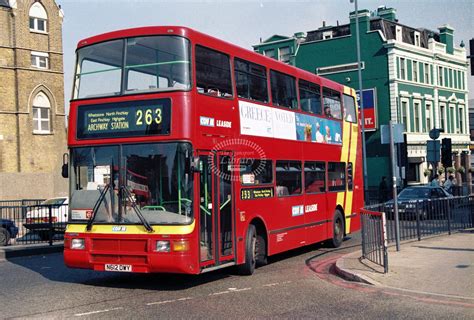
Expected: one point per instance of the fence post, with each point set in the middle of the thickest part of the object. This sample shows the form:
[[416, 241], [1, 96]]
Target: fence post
[[418, 233], [450, 205], [385, 242], [363, 235], [50, 214]]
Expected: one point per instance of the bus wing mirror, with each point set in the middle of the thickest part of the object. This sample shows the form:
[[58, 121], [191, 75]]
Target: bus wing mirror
[[65, 166]]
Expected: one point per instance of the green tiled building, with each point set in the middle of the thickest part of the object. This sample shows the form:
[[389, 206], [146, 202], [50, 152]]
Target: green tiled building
[[419, 79]]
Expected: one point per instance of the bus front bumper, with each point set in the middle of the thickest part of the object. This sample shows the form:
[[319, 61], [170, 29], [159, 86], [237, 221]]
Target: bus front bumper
[[131, 253]]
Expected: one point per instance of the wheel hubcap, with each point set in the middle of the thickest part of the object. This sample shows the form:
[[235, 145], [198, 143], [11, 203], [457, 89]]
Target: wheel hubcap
[[254, 249]]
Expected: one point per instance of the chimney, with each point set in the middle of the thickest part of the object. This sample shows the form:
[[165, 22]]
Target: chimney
[[387, 13], [364, 21], [324, 23], [446, 36]]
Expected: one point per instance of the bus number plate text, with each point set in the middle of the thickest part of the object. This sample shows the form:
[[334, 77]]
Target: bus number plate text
[[118, 267]]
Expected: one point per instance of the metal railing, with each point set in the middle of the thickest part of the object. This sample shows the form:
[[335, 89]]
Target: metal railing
[[422, 218], [23, 202], [30, 224], [374, 238]]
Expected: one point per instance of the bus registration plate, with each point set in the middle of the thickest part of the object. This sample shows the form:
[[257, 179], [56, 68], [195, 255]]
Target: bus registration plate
[[118, 267]]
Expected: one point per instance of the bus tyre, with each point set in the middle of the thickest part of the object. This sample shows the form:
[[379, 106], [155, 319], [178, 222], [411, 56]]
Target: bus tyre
[[248, 267], [4, 236], [261, 251], [337, 230]]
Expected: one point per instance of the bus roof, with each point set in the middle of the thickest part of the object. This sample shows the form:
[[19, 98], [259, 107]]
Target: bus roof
[[213, 43]]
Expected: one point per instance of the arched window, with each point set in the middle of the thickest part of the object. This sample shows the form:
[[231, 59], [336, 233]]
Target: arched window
[[41, 114], [38, 18]]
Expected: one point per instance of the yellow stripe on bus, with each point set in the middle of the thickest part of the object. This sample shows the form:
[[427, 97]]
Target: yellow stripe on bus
[[130, 229], [349, 155]]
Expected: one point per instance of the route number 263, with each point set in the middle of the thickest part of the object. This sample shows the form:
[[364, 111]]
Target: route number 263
[[148, 116]]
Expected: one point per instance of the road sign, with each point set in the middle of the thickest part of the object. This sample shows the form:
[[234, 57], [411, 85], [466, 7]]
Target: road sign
[[434, 134], [398, 130], [432, 150], [370, 108]]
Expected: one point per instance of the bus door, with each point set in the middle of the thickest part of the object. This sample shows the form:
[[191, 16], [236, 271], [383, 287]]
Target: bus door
[[216, 208]]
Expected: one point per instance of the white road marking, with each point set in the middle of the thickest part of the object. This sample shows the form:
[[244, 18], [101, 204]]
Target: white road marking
[[97, 311], [229, 291], [168, 301], [218, 293], [271, 284], [160, 302]]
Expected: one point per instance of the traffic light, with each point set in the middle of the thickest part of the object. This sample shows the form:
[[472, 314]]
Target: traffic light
[[402, 159], [446, 157]]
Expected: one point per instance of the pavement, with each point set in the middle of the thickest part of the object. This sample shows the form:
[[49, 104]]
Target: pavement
[[440, 266], [29, 250]]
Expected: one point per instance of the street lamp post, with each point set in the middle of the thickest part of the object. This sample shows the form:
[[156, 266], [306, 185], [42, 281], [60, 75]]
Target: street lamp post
[[362, 118]]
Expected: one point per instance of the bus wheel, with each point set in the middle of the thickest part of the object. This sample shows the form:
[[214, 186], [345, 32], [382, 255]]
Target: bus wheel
[[248, 267], [338, 230], [261, 251]]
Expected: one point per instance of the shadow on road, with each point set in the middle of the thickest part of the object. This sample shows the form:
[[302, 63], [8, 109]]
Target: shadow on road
[[52, 267]]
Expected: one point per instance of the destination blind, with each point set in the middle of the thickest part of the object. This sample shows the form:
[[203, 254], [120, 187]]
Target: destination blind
[[124, 119]]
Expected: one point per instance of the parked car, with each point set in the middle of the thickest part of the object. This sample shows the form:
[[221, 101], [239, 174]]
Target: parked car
[[421, 201], [8, 230], [38, 218]]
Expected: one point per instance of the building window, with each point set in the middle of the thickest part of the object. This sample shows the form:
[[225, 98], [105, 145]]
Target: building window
[[451, 82], [402, 69], [404, 115], [455, 78], [284, 54], [442, 116], [461, 120], [38, 18], [415, 71], [427, 73], [41, 114], [39, 60], [440, 76], [428, 116], [451, 119], [416, 116], [417, 39], [269, 53]]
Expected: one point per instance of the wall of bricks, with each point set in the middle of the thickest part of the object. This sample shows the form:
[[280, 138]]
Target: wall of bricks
[[30, 163]]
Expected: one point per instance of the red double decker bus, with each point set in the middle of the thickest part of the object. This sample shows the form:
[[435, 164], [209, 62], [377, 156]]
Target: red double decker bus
[[235, 156]]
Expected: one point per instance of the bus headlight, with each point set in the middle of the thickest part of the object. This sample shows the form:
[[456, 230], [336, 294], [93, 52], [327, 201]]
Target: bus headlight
[[77, 244], [162, 246], [181, 245]]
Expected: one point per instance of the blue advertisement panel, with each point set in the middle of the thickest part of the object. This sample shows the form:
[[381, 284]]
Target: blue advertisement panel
[[370, 103], [315, 129]]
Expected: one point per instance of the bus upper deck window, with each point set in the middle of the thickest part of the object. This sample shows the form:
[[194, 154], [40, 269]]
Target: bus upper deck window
[[332, 103], [213, 73]]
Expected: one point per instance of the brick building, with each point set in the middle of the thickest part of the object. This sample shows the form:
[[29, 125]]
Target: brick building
[[32, 115]]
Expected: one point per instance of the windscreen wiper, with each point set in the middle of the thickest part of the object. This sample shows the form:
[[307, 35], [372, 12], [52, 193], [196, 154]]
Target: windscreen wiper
[[96, 206], [136, 209]]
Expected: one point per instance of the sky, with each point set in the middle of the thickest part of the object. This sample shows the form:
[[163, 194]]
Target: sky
[[245, 22]]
